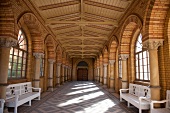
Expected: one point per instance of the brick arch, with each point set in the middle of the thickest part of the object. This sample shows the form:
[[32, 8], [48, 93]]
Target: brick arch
[[154, 19], [131, 24], [35, 28], [113, 47], [7, 20], [59, 54], [50, 45], [105, 55]]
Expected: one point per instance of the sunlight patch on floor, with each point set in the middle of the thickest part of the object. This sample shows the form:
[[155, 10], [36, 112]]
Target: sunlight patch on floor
[[100, 107], [83, 91], [83, 84], [81, 87], [81, 99]]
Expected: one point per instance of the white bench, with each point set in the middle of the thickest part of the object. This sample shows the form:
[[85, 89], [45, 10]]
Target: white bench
[[161, 110], [21, 93], [2, 101], [138, 95]]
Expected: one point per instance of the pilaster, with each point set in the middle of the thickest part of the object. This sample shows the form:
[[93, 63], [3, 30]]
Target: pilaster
[[50, 76]]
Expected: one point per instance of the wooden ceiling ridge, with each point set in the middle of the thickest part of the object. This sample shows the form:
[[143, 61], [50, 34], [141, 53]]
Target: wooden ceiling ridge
[[106, 6], [62, 4]]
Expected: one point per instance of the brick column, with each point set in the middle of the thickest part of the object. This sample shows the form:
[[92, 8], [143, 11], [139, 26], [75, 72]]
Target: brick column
[[105, 74], [112, 77], [152, 45], [5, 46], [98, 74], [101, 74], [66, 73], [50, 75], [36, 79], [58, 73], [62, 78], [124, 58]]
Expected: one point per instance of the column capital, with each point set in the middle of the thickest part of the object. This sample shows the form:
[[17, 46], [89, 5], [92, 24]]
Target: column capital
[[105, 64], [152, 43], [38, 55], [111, 62], [63, 65], [51, 61], [59, 64], [8, 42], [124, 56]]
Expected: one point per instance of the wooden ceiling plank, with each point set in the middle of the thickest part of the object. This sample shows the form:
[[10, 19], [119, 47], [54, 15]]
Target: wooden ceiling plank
[[111, 7], [69, 15], [83, 37], [63, 4], [114, 23]]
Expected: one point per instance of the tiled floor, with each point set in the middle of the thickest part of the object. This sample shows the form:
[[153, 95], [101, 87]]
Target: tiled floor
[[78, 97]]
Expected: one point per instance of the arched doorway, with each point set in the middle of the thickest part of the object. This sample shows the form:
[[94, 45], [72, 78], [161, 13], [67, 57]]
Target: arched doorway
[[82, 71]]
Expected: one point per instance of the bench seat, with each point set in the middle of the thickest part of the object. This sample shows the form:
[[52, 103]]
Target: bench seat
[[161, 110], [21, 93], [137, 95]]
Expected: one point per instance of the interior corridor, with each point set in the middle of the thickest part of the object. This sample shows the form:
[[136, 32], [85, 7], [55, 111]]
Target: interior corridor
[[77, 97]]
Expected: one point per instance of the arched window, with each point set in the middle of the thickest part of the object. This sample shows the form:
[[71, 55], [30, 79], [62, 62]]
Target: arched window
[[141, 61], [18, 58]]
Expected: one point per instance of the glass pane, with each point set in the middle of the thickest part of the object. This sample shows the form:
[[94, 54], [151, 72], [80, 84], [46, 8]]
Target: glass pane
[[20, 53], [13, 74], [18, 74], [145, 76], [25, 55], [145, 69], [141, 76], [148, 76], [9, 73], [10, 58], [19, 66], [144, 54], [140, 55], [136, 69], [16, 52], [23, 67], [141, 68], [145, 61], [19, 60], [24, 61], [11, 50], [14, 67], [140, 62], [137, 76], [148, 68], [9, 65], [148, 60], [15, 59], [23, 74]]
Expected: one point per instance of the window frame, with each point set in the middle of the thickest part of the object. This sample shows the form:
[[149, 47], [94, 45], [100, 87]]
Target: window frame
[[22, 63], [141, 66]]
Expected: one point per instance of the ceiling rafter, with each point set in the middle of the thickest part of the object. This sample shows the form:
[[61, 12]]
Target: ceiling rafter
[[83, 45], [65, 27], [83, 50], [83, 37], [114, 23], [97, 4], [69, 15], [62, 4], [99, 27]]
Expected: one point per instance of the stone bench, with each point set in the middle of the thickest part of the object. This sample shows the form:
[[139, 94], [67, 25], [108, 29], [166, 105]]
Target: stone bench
[[21, 93], [161, 110], [137, 95], [2, 101]]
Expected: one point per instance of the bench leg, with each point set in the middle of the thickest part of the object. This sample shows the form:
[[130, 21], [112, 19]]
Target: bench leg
[[140, 110], [30, 103], [128, 104], [15, 109], [39, 98], [120, 99]]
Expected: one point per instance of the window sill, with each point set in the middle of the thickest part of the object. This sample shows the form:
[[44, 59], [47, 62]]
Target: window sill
[[145, 83], [15, 81]]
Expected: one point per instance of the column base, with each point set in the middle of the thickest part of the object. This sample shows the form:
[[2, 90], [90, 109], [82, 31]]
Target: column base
[[111, 90], [50, 89]]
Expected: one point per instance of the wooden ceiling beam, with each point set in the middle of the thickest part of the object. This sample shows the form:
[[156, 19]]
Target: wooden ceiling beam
[[114, 23], [82, 50], [83, 54], [99, 27], [69, 15], [68, 45], [65, 27], [62, 4], [106, 6], [82, 37]]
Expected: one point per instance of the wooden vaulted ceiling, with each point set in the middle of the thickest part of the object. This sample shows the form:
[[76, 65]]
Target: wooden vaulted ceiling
[[82, 26]]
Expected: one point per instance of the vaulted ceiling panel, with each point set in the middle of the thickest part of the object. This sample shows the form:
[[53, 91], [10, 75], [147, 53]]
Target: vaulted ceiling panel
[[82, 26]]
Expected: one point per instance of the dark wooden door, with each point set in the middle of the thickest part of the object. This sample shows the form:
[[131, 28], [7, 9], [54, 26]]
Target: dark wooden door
[[82, 74]]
